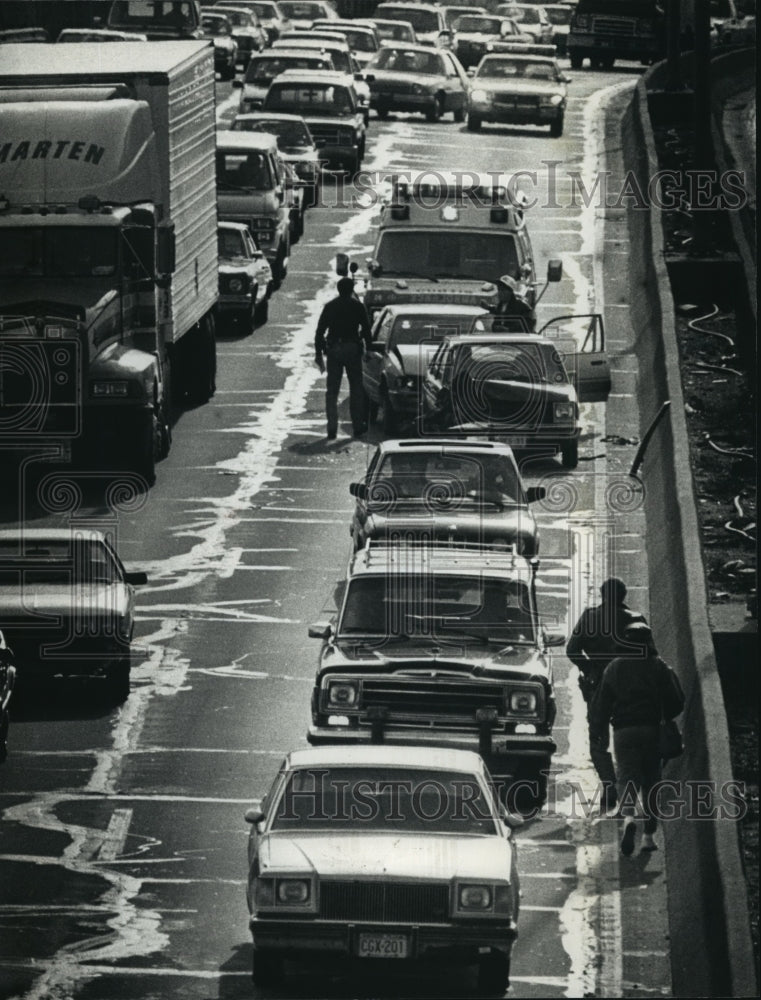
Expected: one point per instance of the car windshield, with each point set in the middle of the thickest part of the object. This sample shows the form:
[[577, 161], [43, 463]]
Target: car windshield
[[524, 15], [311, 98], [438, 607], [289, 133], [446, 482], [384, 799], [239, 171], [55, 562], [453, 14], [447, 253], [152, 13], [241, 19], [58, 252], [479, 25], [399, 32], [301, 11], [230, 243], [360, 41], [421, 20], [524, 362], [408, 61], [266, 68], [215, 25], [507, 69], [559, 15], [265, 11]]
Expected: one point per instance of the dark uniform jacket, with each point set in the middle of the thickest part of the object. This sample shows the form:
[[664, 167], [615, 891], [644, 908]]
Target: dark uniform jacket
[[345, 319]]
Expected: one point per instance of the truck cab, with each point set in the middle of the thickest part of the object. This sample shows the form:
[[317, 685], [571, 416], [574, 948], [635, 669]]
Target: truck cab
[[251, 188]]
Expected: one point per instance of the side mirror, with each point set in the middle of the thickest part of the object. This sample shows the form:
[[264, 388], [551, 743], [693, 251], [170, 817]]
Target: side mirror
[[237, 84], [534, 493], [373, 266], [554, 639], [471, 71], [353, 267], [358, 490], [342, 265], [322, 630], [254, 815], [280, 193], [136, 578], [554, 269]]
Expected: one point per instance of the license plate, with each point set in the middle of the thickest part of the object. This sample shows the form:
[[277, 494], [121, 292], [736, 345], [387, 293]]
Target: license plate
[[383, 946]]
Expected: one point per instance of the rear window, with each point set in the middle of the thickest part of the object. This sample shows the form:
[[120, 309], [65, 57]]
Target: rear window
[[243, 172], [311, 98], [266, 69], [421, 20]]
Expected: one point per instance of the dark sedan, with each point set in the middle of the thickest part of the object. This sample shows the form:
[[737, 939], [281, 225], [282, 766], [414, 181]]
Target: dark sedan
[[448, 492], [418, 78], [477, 34]]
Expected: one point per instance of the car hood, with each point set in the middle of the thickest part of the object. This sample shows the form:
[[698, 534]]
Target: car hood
[[335, 120], [434, 658], [511, 391], [235, 265], [59, 601], [468, 521], [298, 154], [519, 87], [404, 856], [429, 80]]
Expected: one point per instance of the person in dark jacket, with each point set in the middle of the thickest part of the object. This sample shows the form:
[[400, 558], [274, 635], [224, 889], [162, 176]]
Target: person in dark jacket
[[341, 329], [597, 638], [635, 693]]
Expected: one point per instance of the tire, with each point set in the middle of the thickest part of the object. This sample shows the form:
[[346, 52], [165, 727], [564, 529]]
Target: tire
[[267, 969], [280, 269], [261, 312], [530, 790], [569, 453], [146, 435], [118, 681], [229, 73], [474, 123], [433, 114], [385, 413], [493, 974], [577, 60], [382, 112], [607, 62], [459, 114], [556, 127]]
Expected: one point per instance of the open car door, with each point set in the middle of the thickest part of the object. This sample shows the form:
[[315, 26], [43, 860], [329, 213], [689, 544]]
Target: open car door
[[581, 342]]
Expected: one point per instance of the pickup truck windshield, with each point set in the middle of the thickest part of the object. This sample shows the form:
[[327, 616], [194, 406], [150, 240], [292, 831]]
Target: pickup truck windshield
[[447, 253], [441, 607], [405, 800], [58, 252]]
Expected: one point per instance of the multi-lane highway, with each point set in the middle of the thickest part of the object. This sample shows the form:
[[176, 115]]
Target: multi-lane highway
[[122, 844]]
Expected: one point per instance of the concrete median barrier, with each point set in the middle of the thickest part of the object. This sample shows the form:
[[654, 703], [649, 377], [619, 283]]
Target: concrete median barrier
[[711, 951]]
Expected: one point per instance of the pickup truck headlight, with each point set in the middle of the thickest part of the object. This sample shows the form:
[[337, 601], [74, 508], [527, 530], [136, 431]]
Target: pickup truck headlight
[[555, 100], [474, 897], [523, 702], [296, 895], [564, 411], [293, 891], [480, 96], [237, 285], [343, 693]]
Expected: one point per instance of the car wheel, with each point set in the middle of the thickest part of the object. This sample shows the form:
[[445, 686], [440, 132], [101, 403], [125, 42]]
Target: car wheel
[[386, 415], [267, 969], [474, 123], [279, 269], [261, 312], [607, 62], [382, 111], [493, 975], [229, 73], [569, 452], [436, 110], [529, 789], [577, 60], [459, 114], [118, 681], [556, 127]]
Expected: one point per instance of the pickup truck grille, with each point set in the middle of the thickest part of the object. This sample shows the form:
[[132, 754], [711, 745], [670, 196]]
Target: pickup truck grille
[[614, 26], [384, 902], [329, 135], [408, 698]]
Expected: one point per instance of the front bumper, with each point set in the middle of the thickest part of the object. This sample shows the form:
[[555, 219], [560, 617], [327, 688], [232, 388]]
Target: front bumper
[[507, 749], [619, 46], [501, 114], [403, 102], [235, 303], [339, 157], [455, 942]]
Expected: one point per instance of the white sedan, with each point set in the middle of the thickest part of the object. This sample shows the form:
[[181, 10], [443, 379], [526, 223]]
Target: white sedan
[[393, 852]]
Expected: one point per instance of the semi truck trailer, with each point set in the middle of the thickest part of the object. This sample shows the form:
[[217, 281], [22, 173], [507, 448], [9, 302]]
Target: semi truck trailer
[[108, 247]]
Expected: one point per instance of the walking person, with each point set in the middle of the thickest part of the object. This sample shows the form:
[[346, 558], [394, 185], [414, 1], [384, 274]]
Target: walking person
[[597, 638], [636, 692], [341, 329]]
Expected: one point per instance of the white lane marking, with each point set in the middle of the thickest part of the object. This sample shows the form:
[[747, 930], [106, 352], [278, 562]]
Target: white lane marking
[[116, 835]]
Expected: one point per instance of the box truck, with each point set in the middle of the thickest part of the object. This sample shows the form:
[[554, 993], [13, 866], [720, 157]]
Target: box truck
[[108, 246]]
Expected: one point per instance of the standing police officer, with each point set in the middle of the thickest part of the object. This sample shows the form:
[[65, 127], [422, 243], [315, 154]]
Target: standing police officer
[[347, 324]]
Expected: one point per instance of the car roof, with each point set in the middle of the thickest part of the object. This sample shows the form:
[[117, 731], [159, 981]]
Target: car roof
[[499, 338], [519, 57], [245, 141], [301, 41], [391, 558], [321, 75], [383, 755], [343, 22], [408, 6], [298, 52], [49, 534], [478, 446], [412, 47]]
